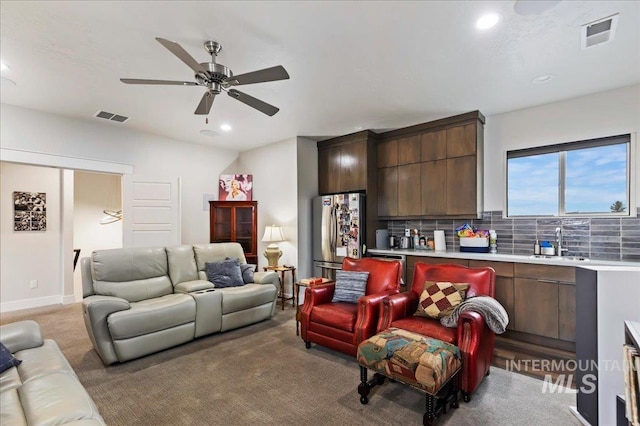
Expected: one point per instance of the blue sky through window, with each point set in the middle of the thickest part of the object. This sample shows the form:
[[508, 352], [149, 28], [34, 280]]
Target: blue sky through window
[[595, 178]]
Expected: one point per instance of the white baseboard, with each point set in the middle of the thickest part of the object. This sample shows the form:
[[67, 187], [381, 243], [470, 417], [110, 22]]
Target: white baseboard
[[67, 300], [31, 303]]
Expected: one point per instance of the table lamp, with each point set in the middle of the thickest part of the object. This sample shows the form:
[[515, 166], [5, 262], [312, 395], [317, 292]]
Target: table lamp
[[273, 234]]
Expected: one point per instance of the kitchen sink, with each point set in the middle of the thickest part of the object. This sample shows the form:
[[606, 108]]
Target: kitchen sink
[[567, 258]]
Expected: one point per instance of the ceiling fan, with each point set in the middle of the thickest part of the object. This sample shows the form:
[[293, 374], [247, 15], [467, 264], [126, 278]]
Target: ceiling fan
[[217, 78]]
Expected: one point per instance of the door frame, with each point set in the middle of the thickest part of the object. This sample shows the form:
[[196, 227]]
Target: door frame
[[68, 294]]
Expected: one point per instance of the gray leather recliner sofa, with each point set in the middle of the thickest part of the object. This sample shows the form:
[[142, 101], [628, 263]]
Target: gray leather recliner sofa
[[138, 301], [43, 389]]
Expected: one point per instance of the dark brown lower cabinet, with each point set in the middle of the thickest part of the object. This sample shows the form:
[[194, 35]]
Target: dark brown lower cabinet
[[567, 311], [536, 307]]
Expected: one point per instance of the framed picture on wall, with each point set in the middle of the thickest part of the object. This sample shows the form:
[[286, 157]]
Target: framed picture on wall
[[235, 188], [29, 211]]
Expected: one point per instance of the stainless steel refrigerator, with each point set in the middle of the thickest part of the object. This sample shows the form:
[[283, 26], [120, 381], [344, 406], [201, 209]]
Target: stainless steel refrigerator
[[338, 231]]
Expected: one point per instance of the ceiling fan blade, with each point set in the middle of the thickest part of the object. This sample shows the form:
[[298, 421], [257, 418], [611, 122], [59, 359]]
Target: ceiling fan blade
[[165, 82], [256, 103], [260, 76], [205, 103], [182, 54]]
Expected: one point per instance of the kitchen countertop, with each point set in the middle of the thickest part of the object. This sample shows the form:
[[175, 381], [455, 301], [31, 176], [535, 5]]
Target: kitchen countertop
[[498, 257]]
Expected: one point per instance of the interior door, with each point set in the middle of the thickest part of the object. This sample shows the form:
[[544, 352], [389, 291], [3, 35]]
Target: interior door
[[150, 211]]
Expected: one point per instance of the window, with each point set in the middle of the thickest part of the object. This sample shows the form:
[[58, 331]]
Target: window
[[579, 178]]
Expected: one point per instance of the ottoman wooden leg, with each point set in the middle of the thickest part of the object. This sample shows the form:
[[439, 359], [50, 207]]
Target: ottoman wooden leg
[[363, 387], [430, 415]]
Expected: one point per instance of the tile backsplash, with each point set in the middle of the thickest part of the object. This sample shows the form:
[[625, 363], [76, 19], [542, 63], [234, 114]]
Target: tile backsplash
[[594, 237]]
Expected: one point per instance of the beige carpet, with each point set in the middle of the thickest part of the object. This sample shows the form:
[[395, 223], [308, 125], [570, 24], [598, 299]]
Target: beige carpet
[[262, 374]]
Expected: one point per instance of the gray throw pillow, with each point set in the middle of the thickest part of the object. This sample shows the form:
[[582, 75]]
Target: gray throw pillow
[[247, 272], [7, 360], [226, 273], [350, 286]]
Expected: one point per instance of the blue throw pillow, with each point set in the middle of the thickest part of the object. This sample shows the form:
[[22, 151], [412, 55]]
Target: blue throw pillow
[[226, 273], [247, 272], [350, 286], [7, 360]]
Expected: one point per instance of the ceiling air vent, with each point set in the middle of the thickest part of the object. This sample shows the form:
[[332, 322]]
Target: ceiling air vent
[[111, 116], [599, 32]]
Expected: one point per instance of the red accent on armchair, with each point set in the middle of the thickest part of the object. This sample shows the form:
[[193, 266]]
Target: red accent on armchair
[[342, 326], [472, 335]]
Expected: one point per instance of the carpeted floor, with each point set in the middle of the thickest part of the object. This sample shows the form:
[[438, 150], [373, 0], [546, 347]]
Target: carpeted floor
[[262, 374]]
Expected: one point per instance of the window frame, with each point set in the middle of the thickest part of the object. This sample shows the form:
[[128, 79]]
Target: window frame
[[561, 149]]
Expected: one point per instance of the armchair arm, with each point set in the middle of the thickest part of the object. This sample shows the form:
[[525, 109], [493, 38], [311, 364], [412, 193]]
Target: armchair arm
[[316, 295], [395, 307], [21, 335], [268, 277], [367, 316], [476, 342], [96, 310]]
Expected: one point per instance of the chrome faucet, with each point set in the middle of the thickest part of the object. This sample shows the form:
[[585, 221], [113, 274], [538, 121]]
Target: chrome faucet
[[559, 249]]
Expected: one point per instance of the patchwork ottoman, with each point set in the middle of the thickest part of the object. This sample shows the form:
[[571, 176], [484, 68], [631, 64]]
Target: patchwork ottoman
[[427, 364]]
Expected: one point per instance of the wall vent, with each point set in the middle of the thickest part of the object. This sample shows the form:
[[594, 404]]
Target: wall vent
[[111, 116], [599, 32]]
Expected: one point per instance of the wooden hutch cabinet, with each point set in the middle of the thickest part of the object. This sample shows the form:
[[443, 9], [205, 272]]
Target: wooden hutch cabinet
[[235, 221]]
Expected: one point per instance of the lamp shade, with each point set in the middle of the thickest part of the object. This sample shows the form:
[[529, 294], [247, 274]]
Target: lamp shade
[[273, 234]]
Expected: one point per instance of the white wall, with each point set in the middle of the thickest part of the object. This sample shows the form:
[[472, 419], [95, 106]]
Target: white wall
[[307, 154], [94, 192], [602, 114], [29, 256], [275, 187], [198, 165]]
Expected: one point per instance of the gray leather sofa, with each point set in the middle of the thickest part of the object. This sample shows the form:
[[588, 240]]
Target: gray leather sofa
[[138, 301], [43, 389]]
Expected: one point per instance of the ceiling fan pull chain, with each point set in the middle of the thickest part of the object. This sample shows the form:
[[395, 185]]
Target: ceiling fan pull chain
[[206, 120]]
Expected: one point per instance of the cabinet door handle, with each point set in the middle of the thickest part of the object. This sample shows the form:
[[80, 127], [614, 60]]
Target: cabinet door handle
[[547, 281], [567, 282]]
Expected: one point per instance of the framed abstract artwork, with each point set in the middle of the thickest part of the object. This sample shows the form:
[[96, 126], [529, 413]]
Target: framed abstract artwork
[[235, 188]]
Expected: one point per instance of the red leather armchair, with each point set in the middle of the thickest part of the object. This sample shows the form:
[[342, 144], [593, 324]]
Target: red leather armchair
[[342, 326], [472, 335]]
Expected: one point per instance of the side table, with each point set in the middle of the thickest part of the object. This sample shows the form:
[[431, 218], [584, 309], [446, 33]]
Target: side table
[[283, 270]]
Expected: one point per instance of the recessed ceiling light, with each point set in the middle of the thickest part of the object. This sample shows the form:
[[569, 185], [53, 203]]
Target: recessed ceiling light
[[542, 78], [4, 66], [209, 133], [225, 127], [487, 21]]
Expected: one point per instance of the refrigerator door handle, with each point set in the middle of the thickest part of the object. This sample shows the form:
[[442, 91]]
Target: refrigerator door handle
[[333, 232]]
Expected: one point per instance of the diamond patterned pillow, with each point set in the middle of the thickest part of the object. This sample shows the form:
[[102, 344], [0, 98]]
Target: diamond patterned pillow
[[438, 299]]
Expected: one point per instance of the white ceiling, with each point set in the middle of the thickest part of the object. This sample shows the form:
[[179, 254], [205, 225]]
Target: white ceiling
[[375, 65]]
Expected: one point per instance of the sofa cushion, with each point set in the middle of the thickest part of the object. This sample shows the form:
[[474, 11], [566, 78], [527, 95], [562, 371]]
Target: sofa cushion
[[42, 361], [182, 264], [247, 296], [132, 274], [226, 273], [56, 398], [217, 252], [152, 315], [7, 360], [12, 412], [438, 299], [427, 327], [350, 286]]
